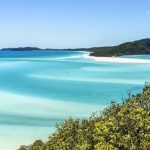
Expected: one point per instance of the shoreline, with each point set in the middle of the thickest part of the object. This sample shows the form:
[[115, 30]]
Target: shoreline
[[117, 59]]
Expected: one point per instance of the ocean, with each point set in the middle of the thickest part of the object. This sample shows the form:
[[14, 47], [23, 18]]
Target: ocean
[[41, 88]]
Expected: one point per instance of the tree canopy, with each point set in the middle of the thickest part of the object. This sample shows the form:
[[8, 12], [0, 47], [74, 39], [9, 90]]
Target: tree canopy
[[140, 47], [123, 126]]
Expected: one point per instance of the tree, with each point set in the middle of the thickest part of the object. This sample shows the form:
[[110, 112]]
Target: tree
[[118, 127]]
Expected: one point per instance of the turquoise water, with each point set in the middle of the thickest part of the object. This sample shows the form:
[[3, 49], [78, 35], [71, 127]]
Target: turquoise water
[[39, 89]]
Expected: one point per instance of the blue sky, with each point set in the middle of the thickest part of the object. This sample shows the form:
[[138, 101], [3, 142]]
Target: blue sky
[[72, 23]]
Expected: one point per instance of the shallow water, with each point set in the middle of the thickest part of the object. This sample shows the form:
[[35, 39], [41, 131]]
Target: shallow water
[[39, 89]]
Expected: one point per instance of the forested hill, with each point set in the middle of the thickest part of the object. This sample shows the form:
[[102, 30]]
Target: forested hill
[[21, 49], [130, 48]]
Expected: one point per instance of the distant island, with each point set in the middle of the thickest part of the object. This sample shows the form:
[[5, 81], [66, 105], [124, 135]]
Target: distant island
[[129, 48]]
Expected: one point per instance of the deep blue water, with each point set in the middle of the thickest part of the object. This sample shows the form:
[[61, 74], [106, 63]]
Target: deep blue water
[[41, 88]]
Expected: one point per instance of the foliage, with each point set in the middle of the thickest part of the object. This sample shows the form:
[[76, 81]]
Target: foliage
[[129, 48], [118, 127]]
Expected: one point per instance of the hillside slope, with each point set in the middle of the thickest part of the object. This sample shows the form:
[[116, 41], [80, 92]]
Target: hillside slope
[[130, 48], [123, 126]]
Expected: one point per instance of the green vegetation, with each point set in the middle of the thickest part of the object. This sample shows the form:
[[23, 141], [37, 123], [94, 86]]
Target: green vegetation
[[129, 48], [123, 126], [21, 49]]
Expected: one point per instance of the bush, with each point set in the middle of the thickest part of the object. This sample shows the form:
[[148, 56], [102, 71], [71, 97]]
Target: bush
[[119, 127]]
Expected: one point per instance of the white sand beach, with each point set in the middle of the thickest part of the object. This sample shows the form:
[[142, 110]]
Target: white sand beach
[[117, 59]]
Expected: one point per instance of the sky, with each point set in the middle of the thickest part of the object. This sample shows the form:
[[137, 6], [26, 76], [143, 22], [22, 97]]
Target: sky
[[72, 23]]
